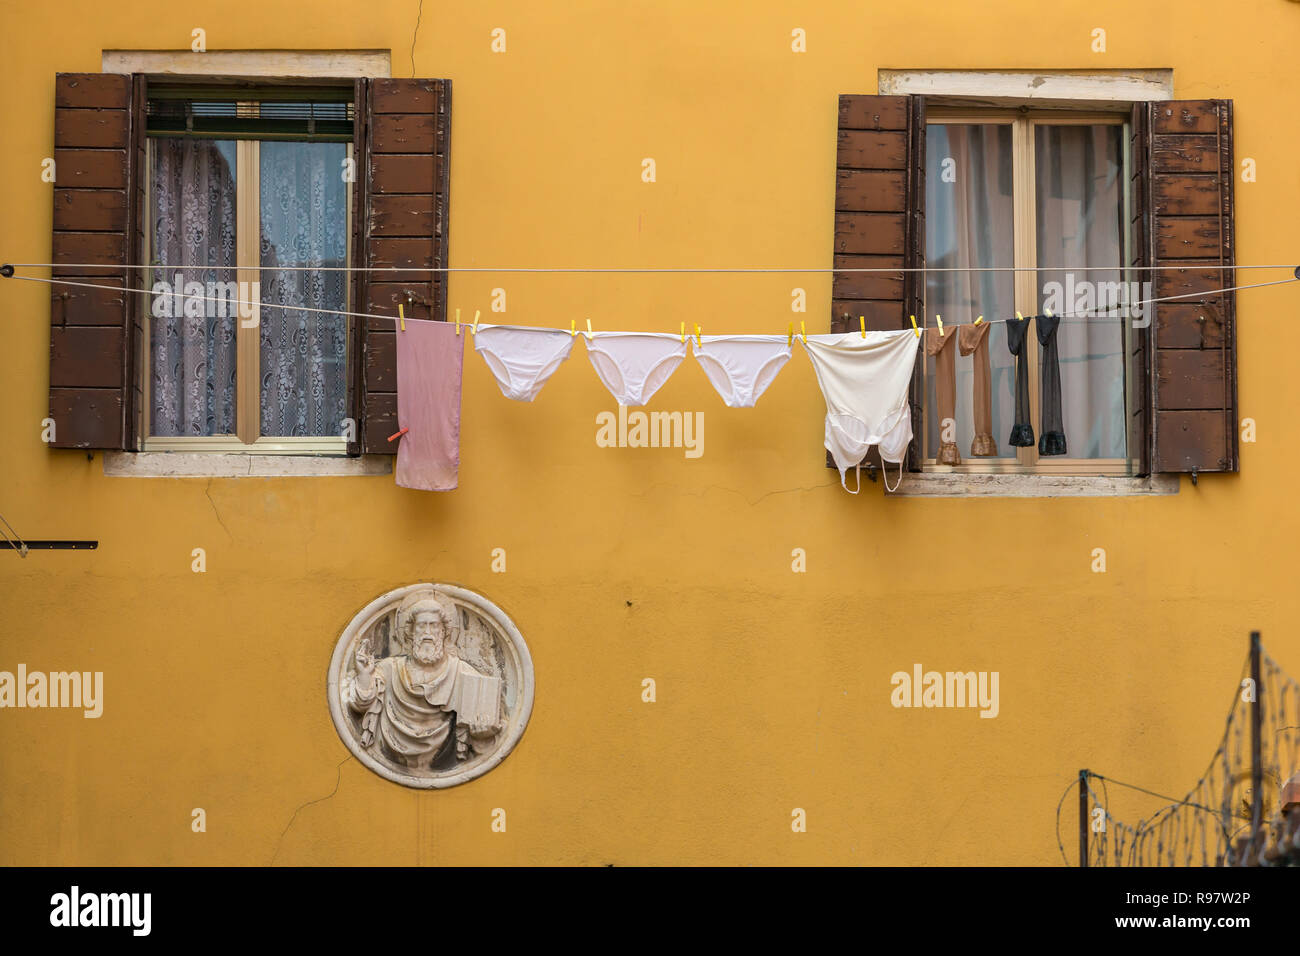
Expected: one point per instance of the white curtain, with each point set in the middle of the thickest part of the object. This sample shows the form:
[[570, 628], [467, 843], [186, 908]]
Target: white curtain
[[304, 223], [192, 358], [969, 213], [1079, 207], [969, 220]]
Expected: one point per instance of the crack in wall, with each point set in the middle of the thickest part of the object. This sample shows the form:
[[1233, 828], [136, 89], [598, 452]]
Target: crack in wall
[[338, 780], [207, 490], [418, 16]]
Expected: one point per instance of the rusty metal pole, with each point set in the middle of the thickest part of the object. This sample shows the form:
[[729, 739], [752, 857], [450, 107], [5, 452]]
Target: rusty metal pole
[[1256, 754], [1083, 817]]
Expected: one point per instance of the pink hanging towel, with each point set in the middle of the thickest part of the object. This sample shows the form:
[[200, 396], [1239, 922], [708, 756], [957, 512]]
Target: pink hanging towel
[[429, 359]]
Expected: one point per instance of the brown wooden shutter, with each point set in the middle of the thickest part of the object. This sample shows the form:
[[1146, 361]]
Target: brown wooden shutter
[[1194, 399], [880, 221], [406, 146], [95, 229]]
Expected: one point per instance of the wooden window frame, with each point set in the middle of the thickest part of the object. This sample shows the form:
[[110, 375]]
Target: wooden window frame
[[401, 142], [247, 438], [1024, 231]]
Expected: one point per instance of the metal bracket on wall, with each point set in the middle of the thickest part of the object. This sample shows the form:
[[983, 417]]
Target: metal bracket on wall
[[14, 542], [23, 547]]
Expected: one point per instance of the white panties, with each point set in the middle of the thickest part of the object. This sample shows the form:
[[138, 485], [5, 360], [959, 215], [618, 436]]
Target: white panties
[[741, 367], [864, 380], [522, 358], [634, 365]]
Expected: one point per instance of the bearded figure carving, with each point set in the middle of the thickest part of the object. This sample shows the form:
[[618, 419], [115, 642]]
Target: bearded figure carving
[[428, 705]]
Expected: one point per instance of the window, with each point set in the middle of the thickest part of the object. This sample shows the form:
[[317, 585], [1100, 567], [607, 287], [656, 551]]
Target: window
[[254, 176], [1083, 214], [214, 172], [1034, 190]]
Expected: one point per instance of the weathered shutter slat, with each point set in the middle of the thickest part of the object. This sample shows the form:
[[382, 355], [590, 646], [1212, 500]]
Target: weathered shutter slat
[[405, 178], [880, 220], [95, 223], [1190, 198]]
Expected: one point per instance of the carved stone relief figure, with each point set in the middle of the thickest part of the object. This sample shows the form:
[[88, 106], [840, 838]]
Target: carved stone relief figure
[[431, 685]]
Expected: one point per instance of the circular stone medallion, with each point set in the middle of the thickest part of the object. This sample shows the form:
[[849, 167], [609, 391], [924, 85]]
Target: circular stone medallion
[[431, 685]]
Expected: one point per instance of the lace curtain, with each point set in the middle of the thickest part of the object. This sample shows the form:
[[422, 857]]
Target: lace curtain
[[192, 357], [304, 223], [303, 212]]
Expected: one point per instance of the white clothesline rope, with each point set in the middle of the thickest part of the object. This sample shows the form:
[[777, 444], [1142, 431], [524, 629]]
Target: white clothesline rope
[[209, 267], [1077, 316]]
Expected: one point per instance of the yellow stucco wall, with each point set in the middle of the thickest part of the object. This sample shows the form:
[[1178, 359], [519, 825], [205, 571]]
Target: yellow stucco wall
[[773, 687]]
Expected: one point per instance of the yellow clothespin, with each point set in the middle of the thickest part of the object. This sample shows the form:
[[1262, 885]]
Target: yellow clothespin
[[683, 333], [477, 313], [1048, 313], [1019, 317], [803, 330], [589, 328], [458, 321], [862, 325], [401, 315], [573, 326], [939, 318], [790, 333], [914, 328], [697, 336], [979, 320]]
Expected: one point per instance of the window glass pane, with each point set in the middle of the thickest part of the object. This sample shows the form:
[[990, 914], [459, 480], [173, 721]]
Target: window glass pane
[[303, 223], [192, 341], [968, 222], [1079, 210]]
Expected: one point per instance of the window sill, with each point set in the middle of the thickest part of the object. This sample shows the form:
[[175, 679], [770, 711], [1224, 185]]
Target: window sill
[[1031, 486], [229, 444], [172, 464]]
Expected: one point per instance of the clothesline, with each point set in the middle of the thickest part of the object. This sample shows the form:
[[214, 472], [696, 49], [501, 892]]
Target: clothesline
[[210, 267], [865, 380], [1072, 316]]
